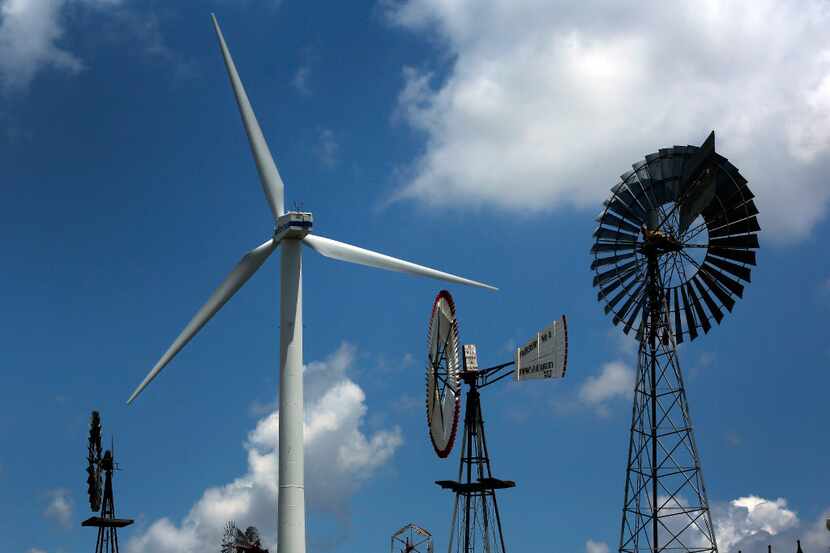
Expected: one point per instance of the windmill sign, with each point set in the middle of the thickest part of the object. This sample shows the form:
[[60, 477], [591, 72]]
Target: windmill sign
[[545, 355]]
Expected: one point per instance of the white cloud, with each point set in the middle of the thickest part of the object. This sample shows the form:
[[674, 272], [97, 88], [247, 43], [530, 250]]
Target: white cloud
[[36, 550], [545, 103], [592, 546], [339, 456], [327, 148], [751, 518], [60, 507], [615, 380], [29, 34]]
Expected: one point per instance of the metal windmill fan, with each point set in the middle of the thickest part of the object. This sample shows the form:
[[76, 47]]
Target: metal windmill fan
[[94, 478], [235, 540], [411, 539], [694, 209], [442, 374]]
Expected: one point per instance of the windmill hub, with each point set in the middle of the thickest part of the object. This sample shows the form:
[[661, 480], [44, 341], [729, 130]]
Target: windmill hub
[[294, 224], [659, 242]]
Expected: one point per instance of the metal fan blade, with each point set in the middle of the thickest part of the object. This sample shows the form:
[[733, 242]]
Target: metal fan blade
[[612, 221], [636, 312], [732, 285], [707, 299], [602, 261], [737, 270], [716, 217], [738, 227], [741, 256], [240, 274], [617, 282], [701, 314], [690, 316], [603, 233], [624, 194], [616, 299], [352, 254], [746, 241], [601, 247], [268, 175], [620, 315], [716, 288], [618, 207], [604, 277], [678, 326]]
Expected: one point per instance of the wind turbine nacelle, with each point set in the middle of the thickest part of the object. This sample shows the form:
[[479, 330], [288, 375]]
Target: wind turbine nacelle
[[294, 224]]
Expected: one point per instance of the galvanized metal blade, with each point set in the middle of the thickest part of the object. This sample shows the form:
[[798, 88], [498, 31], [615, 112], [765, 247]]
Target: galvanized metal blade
[[722, 295], [701, 314], [730, 284], [739, 271], [602, 261], [741, 256], [690, 317], [746, 241], [707, 299]]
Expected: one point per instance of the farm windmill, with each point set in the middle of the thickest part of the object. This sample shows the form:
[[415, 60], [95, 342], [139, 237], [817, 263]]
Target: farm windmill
[[476, 523], [99, 488], [674, 242], [293, 231], [411, 539], [235, 540]]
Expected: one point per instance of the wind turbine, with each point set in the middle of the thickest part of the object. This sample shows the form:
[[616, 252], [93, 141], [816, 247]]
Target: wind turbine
[[293, 230]]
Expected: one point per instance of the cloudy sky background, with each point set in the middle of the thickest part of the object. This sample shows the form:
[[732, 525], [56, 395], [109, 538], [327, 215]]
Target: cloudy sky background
[[477, 137]]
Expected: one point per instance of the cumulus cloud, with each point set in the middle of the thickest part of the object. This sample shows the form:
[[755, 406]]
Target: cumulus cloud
[[616, 379], [592, 546], [60, 507], [36, 550], [545, 103], [339, 456], [30, 31], [751, 522]]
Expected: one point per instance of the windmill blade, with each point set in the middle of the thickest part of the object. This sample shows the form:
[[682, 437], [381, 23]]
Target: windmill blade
[[247, 266], [690, 317], [707, 299], [678, 326], [353, 254], [701, 313], [268, 175], [601, 261]]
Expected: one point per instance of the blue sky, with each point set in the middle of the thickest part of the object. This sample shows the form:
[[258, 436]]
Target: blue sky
[[478, 139]]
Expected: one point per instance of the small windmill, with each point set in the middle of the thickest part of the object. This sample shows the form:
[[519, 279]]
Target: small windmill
[[235, 540], [411, 539], [99, 488], [674, 243], [476, 522], [292, 233]]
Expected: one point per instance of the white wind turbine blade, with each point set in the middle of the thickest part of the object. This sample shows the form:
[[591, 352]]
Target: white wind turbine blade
[[353, 254], [269, 176], [246, 267]]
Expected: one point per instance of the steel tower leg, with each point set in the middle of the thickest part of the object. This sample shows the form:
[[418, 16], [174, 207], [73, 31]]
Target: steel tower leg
[[479, 526], [665, 506], [291, 500]]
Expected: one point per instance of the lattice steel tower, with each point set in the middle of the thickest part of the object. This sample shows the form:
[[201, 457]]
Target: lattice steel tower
[[674, 244]]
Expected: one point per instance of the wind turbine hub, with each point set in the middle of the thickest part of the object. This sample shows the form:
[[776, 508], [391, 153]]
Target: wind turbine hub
[[294, 224]]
